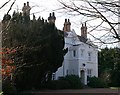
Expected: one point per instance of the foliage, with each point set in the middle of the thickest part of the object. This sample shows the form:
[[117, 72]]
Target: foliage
[[115, 73], [96, 82], [39, 49], [1, 93], [8, 87], [8, 69], [68, 82], [109, 65], [8, 66], [74, 81]]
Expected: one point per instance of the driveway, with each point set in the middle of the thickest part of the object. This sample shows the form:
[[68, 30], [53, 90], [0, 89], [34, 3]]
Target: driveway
[[95, 91]]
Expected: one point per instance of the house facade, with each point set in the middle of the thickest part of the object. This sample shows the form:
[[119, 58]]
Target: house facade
[[82, 56]]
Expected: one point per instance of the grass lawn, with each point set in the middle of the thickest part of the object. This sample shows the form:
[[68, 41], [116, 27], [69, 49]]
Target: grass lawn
[[114, 87]]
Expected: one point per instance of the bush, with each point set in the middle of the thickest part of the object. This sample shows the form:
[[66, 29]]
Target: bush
[[74, 81], [95, 82], [8, 87], [68, 82]]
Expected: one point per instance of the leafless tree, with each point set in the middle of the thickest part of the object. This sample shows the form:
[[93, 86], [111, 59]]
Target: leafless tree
[[102, 14]]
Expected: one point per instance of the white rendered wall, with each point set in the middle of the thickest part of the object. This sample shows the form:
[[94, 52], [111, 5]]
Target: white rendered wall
[[74, 64]]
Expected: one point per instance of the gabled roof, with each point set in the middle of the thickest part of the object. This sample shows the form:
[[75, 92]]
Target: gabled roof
[[81, 38]]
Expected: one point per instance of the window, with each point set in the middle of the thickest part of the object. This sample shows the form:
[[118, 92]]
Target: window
[[67, 72], [89, 72], [89, 56], [82, 52], [74, 53], [53, 76]]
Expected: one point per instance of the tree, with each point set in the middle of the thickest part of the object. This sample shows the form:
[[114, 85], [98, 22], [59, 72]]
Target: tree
[[7, 63], [109, 65], [7, 70], [3, 69], [105, 13], [115, 74], [39, 49]]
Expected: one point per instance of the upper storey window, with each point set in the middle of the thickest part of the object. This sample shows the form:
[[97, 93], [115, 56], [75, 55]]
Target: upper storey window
[[74, 53], [89, 56], [82, 53]]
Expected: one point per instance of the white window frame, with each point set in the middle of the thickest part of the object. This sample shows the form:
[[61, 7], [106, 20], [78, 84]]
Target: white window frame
[[89, 56], [89, 72], [74, 53], [53, 76], [82, 52]]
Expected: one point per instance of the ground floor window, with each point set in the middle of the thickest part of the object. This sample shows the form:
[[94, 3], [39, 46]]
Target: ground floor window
[[53, 76], [66, 72], [89, 72]]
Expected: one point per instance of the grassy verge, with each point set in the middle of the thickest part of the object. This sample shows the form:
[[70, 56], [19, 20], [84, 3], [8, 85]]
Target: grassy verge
[[114, 87]]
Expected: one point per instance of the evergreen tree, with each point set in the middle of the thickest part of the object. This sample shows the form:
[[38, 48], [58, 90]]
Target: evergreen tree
[[39, 50], [109, 65]]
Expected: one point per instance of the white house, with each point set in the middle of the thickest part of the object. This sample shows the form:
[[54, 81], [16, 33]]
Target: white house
[[82, 56]]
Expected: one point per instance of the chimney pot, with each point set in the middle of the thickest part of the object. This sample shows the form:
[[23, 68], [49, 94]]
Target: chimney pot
[[65, 20], [84, 30], [52, 18]]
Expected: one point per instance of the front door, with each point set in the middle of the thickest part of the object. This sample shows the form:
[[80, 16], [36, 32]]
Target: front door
[[82, 72]]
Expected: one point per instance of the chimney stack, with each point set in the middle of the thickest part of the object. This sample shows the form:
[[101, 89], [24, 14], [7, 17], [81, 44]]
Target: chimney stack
[[52, 18], [84, 30], [26, 9], [67, 26]]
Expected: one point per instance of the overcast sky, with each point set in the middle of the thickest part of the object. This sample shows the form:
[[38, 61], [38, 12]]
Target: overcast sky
[[43, 8], [37, 5], [39, 8]]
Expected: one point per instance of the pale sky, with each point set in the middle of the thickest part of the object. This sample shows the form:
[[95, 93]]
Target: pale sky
[[43, 8], [40, 8]]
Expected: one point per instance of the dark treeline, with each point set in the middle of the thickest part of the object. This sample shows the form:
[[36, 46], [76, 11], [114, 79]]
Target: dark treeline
[[39, 49]]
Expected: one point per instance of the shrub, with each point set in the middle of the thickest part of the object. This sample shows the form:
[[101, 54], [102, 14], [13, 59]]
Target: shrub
[[8, 87], [74, 81], [68, 82], [96, 82]]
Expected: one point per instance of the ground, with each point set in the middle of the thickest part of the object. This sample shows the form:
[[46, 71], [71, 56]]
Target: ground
[[95, 91]]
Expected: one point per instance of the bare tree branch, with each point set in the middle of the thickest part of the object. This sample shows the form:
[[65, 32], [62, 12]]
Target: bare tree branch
[[5, 4], [11, 6], [106, 20], [107, 11]]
